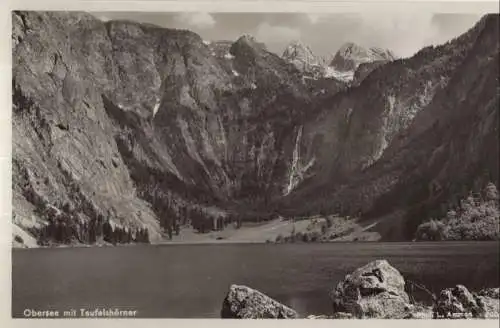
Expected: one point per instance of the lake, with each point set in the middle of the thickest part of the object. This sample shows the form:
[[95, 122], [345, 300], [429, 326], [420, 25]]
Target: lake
[[191, 281]]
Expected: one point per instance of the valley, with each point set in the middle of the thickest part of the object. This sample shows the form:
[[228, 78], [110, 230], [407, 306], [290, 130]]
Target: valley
[[133, 133]]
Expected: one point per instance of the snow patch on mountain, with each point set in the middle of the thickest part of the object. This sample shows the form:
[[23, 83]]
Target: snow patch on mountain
[[346, 76], [155, 109]]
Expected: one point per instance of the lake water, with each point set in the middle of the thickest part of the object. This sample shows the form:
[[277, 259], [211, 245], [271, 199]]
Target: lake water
[[191, 281]]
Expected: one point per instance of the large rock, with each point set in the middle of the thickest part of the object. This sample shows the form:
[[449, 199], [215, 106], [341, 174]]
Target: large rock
[[375, 290], [246, 303], [458, 301]]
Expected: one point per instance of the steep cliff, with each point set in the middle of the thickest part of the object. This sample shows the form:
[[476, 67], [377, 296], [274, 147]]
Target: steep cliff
[[64, 154]]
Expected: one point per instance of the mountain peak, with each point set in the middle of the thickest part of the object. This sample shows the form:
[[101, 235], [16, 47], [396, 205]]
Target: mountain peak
[[249, 40], [350, 47], [246, 43], [300, 55], [296, 47], [350, 55]]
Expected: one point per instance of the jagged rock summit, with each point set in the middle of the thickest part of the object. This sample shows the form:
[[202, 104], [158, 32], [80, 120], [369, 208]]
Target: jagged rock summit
[[350, 56], [343, 67], [352, 63], [301, 56]]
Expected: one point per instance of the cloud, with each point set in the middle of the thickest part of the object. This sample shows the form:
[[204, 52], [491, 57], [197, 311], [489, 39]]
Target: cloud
[[316, 18], [200, 20], [276, 33], [103, 18], [403, 33]]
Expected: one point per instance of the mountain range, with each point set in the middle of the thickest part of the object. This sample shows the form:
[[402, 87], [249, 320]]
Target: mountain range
[[348, 60], [149, 129]]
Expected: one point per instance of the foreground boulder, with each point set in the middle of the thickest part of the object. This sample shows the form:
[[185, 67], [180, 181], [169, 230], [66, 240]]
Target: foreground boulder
[[246, 303], [458, 301], [375, 290]]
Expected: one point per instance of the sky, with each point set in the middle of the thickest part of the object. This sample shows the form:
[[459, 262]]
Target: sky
[[403, 33]]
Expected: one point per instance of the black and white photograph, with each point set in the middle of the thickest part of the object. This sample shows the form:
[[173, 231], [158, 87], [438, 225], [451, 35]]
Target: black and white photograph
[[255, 165]]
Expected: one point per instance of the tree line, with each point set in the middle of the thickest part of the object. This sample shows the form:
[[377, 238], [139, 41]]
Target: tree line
[[477, 217], [66, 228]]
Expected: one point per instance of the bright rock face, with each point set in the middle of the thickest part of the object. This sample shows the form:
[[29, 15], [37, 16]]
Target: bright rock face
[[243, 302], [302, 57], [375, 290], [350, 56]]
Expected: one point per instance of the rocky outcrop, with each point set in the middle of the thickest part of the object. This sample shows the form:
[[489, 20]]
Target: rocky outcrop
[[243, 302], [375, 290]]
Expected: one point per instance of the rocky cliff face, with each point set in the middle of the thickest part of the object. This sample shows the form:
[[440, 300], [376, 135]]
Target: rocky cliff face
[[63, 147], [141, 124]]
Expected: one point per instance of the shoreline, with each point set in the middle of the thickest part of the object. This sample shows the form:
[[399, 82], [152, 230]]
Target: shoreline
[[346, 232], [236, 242]]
